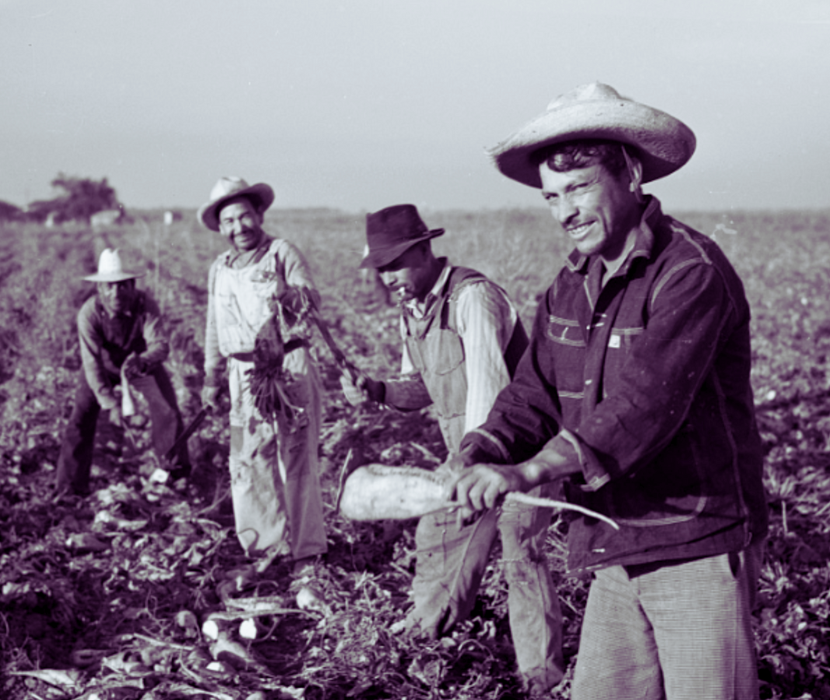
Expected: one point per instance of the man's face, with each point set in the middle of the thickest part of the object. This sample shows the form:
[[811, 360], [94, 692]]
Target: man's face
[[116, 296], [595, 209], [407, 276], [240, 222]]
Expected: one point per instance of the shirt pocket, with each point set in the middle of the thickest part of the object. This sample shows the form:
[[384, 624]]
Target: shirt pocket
[[564, 331], [265, 285], [623, 339], [567, 358]]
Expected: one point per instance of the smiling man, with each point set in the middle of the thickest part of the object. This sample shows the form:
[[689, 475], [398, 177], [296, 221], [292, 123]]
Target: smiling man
[[275, 484], [462, 339], [635, 393]]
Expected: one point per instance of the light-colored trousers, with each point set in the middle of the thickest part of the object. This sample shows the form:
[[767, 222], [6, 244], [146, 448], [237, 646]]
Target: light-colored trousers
[[680, 631], [450, 564], [275, 481]]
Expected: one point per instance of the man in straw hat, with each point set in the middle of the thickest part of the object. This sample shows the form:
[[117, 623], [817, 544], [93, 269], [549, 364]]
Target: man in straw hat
[[635, 392], [122, 343], [462, 340], [275, 484]]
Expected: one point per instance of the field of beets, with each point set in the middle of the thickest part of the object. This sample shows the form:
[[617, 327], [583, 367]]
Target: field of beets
[[135, 592]]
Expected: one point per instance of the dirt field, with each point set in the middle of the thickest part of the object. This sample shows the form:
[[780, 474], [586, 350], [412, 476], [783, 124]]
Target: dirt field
[[94, 600]]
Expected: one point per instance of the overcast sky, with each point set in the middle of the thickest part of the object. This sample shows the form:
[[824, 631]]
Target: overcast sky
[[366, 103]]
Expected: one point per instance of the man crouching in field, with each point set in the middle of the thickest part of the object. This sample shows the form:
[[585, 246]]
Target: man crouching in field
[[635, 392], [462, 340], [122, 342], [275, 485]]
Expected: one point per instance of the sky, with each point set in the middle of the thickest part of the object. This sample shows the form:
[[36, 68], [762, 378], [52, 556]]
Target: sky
[[363, 104]]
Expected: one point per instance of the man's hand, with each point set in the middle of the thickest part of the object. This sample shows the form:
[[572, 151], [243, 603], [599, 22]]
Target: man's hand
[[134, 366], [480, 486], [210, 397], [361, 389]]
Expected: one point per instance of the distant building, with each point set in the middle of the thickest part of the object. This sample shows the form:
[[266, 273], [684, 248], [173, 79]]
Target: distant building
[[107, 217]]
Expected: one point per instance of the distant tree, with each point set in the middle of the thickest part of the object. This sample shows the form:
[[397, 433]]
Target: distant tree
[[9, 212], [81, 197]]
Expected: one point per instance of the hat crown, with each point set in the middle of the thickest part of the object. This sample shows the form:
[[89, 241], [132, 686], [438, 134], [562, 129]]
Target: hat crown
[[589, 92], [110, 262], [400, 222], [227, 186], [390, 232], [111, 269]]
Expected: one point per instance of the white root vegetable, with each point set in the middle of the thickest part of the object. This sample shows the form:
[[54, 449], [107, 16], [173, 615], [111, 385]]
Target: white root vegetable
[[378, 492], [127, 403]]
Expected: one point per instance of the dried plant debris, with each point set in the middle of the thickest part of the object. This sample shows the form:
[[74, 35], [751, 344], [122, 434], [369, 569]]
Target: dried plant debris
[[140, 591]]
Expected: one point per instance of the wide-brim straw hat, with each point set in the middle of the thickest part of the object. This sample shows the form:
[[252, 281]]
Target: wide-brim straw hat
[[110, 268], [392, 231], [228, 188], [661, 143]]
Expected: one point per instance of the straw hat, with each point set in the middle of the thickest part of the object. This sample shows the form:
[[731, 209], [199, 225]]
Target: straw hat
[[597, 111], [228, 188], [392, 231], [110, 268]]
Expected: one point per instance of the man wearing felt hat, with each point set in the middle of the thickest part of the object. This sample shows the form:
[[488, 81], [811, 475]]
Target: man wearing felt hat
[[122, 343], [462, 339], [635, 393], [275, 485]]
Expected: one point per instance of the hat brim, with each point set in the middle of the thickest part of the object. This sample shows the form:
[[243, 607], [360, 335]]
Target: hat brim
[[663, 144], [380, 257], [208, 213], [114, 276]]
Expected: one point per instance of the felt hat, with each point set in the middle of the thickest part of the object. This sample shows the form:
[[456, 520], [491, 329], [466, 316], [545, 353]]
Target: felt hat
[[597, 111], [110, 268], [392, 231], [228, 188]]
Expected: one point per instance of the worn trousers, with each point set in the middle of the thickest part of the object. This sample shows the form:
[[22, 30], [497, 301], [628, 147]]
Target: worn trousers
[[75, 460], [275, 481], [451, 560], [680, 630]]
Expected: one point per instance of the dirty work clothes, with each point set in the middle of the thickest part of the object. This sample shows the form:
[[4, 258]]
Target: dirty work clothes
[[463, 327], [643, 382], [450, 565], [275, 484], [276, 493], [75, 458], [694, 614], [106, 340], [461, 346]]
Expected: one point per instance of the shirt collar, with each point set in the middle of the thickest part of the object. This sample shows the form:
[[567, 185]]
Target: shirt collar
[[643, 241]]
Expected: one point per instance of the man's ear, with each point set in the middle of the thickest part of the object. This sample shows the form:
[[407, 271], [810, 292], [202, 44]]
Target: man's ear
[[635, 172]]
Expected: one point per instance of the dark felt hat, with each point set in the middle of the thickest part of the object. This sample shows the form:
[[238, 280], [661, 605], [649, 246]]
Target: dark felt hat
[[392, 231]]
